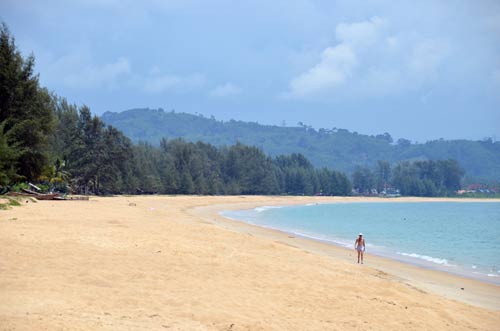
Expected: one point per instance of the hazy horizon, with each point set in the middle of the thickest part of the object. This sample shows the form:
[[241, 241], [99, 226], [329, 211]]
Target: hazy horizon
[[420, 71]]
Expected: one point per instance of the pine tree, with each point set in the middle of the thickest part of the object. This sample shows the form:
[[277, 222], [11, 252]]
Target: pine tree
[[25, 109]]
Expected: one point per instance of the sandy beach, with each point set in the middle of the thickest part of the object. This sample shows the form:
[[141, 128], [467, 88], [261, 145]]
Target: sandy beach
[[173, 263]]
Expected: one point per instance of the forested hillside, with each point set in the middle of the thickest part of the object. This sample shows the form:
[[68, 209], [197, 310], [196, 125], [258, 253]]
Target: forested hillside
[[336, 148]]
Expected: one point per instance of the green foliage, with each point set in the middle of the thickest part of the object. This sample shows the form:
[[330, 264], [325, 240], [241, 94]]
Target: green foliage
[[382, 175], [180, 167], [363, 180], [11, 202], [8, 155], [14, 202], [427, 178], [25, 111], [98, 158], [18, 186], [333, 148]]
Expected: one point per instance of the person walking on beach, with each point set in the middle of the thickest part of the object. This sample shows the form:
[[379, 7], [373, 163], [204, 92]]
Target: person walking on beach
[[359, 246]]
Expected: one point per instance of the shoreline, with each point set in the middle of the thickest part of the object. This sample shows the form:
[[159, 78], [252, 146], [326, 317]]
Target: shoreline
[[171, 262], [344, 243], [423, 264], [441, 282]]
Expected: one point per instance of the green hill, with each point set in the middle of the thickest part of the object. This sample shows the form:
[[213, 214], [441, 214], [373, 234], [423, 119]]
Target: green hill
[[339, 149]]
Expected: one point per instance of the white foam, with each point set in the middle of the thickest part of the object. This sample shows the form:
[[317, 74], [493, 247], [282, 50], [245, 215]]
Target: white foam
[[426, 258], [474, 267], [264, 208], [492, 275]]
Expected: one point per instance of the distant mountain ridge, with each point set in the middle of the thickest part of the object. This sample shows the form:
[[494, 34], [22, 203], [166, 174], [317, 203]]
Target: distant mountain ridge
[[339, 149]]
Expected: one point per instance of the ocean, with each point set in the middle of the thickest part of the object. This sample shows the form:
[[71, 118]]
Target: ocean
[[457, 237]]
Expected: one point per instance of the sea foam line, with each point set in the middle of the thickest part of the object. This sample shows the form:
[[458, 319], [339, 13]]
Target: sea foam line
[[264, 208], [427, 258]]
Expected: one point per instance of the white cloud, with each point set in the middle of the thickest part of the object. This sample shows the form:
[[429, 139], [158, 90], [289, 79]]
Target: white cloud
[[225, 90], [163, 83], [96, 76], [337, 62], [333, 69], [78, 70], [370, 60], [360, 33]]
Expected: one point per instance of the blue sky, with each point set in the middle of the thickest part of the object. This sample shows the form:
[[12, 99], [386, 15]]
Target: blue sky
[[420, 70]]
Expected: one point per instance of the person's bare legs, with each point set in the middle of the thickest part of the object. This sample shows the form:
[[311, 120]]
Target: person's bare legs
[[361, 253]]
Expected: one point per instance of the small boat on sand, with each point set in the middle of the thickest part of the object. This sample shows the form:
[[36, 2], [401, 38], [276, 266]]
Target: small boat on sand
[[39, 196]]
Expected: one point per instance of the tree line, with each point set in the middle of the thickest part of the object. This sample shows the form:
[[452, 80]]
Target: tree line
[[86, 156], [418, 178], [323, 147], [44, 139]]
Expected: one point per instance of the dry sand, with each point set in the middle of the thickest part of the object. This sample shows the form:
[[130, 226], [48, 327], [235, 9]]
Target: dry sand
[[171, 263]]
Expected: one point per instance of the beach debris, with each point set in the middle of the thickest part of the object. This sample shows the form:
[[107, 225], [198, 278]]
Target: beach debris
[[132, 204], [462, 288], [43, 196]]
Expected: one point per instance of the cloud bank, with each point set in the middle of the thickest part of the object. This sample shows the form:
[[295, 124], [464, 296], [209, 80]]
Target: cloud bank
[[371, 60]]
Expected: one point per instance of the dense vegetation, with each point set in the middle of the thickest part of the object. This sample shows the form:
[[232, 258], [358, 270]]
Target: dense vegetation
[[26, 117], [418, 178], [46, 140], [334, 148], [101, 159]]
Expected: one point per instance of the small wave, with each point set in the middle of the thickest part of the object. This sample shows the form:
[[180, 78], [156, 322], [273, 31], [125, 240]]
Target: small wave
[[492, 275], [426, 258], [264, 208]]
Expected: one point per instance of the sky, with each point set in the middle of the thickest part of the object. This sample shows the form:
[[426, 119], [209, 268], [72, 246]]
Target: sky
[[420, 70]]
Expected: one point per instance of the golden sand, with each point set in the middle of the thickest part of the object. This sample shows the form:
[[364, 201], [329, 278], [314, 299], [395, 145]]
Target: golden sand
[[172, 263]]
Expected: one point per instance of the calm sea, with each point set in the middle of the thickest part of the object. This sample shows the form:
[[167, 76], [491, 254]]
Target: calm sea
[[457, 237]]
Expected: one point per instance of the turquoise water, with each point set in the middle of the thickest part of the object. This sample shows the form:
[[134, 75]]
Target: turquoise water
[[457, 237]]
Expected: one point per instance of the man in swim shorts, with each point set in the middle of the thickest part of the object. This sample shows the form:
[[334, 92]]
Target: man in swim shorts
[[359, 246]]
